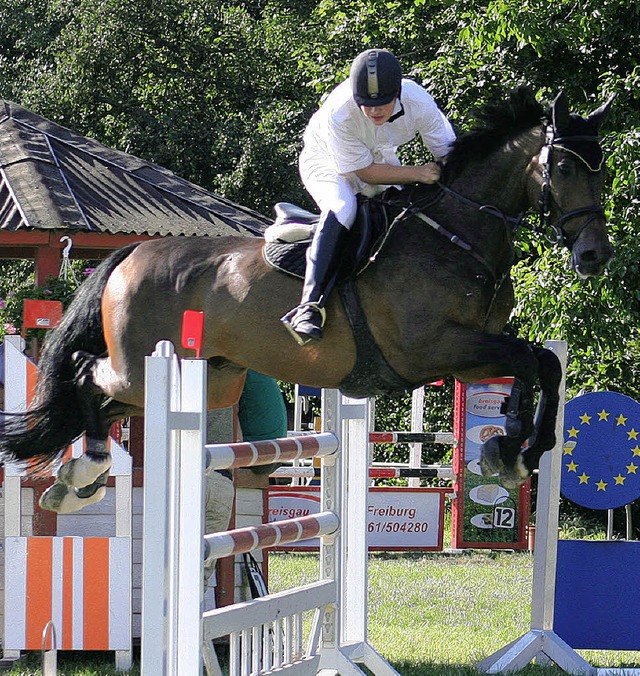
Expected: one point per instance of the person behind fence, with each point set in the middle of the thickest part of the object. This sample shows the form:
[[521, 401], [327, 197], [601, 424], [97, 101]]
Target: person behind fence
[[350, 147], [262, 414]]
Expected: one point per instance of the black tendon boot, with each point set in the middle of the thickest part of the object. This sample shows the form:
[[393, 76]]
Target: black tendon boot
[[305, 322]]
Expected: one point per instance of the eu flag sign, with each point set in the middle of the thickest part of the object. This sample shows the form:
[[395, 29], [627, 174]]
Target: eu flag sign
[[601, 450]]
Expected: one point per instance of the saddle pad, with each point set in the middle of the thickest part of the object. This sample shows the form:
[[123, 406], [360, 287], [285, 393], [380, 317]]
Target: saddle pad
[[288, 257]]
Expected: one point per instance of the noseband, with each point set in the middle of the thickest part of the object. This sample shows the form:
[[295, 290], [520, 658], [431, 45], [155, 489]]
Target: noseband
[[560, 237]]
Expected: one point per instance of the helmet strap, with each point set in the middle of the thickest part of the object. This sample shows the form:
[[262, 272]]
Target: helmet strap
[[400, 113]]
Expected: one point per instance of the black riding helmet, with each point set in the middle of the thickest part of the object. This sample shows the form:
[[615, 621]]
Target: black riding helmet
[[375, 77]]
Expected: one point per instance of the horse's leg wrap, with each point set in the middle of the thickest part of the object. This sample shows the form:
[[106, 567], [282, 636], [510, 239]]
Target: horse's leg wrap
[[502, 454], [544, 436], [81, 481], [83, 471]]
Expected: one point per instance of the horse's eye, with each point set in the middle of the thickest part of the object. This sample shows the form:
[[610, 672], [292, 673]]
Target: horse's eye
[[565, 167]]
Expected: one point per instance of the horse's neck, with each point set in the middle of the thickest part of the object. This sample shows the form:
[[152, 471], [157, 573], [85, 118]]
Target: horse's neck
[[503, 179], [506, 181]]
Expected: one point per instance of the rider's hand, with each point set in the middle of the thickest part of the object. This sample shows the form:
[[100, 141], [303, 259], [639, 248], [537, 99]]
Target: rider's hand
[[428, 173]]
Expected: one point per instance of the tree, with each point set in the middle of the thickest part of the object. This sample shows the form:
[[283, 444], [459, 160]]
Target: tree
[[220, 93]]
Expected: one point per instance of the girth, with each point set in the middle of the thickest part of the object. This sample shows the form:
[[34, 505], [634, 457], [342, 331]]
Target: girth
[[372, 374]]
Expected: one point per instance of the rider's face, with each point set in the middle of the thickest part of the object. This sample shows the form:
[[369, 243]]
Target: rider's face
[[379, 114]]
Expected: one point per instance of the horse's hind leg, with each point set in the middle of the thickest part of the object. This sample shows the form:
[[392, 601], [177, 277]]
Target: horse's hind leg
[[81, 481]]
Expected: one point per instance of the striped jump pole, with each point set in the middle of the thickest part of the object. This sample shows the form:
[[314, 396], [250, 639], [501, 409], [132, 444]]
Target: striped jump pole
[[411, 438], [254, 453], [265, 633], [425, 472]]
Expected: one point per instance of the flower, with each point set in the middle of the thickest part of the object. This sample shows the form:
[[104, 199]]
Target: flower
[[10, 328]]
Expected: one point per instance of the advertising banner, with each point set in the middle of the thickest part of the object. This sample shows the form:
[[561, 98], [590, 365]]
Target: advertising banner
[[397, 518], [485, 514]]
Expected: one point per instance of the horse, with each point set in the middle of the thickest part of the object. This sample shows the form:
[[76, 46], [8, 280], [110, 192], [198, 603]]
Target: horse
[[432, 304]]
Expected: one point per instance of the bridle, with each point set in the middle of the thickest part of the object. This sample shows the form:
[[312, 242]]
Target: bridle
[[512, 223], [553, 142]]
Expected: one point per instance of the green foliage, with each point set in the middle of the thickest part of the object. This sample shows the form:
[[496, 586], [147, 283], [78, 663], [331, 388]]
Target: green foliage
[[17, 285], [220, 92]]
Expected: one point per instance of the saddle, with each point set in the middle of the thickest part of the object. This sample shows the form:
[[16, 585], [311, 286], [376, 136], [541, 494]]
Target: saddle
[[286, 241]]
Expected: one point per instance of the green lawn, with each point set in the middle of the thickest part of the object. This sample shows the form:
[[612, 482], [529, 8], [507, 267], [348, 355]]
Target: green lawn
[[429, 614]]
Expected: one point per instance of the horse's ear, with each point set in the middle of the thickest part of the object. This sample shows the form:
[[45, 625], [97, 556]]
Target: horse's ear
[[597, 117], [560, 112]]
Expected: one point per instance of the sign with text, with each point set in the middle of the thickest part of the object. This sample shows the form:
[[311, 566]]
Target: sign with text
[[486, 515], [397, 518]]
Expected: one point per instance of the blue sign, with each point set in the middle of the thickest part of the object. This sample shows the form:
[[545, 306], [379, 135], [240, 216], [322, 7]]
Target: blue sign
[[601, 450]]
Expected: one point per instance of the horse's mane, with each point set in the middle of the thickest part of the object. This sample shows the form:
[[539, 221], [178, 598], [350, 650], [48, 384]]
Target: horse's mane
[[496, 123]]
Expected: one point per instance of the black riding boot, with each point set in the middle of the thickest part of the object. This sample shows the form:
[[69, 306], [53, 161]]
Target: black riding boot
[[305, 322]]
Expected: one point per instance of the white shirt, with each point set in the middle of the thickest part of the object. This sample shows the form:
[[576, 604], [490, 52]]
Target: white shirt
[[340, 139]]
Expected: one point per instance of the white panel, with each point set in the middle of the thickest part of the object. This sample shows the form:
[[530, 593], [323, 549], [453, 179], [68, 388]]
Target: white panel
[[77, 631], [119, 594], [15, 593], [57, 587]]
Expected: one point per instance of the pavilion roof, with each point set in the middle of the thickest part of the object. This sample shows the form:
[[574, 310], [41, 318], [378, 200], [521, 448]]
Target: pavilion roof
[[52, 178]]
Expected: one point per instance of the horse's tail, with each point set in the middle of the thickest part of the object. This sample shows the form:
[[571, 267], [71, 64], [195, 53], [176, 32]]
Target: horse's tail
[[54, 420]]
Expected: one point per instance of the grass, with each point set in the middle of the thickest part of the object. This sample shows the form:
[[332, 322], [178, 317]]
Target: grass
[[441, 613], [429, 614]]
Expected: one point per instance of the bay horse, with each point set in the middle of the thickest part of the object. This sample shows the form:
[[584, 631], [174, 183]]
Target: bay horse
[[434, 303]]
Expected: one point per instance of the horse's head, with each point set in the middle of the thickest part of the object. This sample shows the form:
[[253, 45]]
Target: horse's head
[[571, 169]]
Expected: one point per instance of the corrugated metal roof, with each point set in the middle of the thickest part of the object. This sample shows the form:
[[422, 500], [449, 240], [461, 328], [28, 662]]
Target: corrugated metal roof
[[54, 178]]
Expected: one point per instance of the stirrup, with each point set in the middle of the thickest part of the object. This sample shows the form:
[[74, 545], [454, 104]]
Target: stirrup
[[302, 339]]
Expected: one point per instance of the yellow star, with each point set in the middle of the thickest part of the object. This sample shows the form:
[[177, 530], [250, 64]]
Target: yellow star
[[568, 447], [621, 420], [619, 480], [603, 415], [602, 486], [636, 450], [572, 467], [585, 418], [631, 468], [584, 479], [633, 434], [573, 432]]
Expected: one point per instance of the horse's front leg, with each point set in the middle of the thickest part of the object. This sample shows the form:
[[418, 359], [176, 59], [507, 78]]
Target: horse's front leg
[[544, 436], [81, 481], [504, 454]]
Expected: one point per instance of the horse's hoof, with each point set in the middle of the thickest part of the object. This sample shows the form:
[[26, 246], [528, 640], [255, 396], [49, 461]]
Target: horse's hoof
[[490, 460], [83, 471], [63, 499]]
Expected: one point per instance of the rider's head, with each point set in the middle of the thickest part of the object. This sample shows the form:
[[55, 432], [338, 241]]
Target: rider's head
[[375, 77]]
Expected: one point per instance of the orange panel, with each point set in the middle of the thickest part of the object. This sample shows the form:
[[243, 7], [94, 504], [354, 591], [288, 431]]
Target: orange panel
[[39, 589], [96, 594]]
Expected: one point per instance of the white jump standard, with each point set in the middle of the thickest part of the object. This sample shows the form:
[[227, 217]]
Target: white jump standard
[[265, 633]]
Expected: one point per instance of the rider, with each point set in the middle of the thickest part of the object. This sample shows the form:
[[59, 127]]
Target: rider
[[350, 147]]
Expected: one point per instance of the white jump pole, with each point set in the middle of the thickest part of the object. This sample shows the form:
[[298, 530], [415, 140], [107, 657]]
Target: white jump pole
[[174, 539], [175, 418]]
